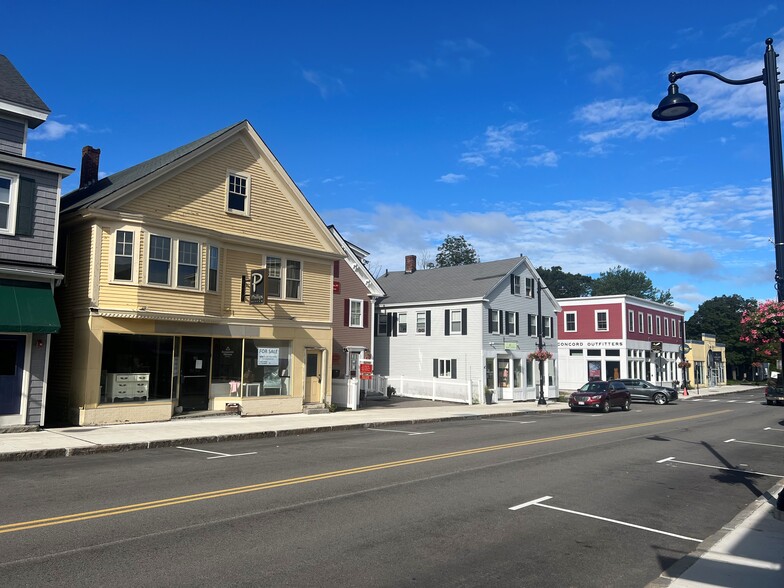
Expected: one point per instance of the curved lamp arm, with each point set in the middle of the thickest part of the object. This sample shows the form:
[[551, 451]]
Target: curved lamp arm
[[675, 76]]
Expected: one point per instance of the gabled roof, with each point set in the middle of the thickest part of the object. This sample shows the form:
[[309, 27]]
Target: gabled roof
[[17, 97], [458, 282], [357, 265], [102, 190]]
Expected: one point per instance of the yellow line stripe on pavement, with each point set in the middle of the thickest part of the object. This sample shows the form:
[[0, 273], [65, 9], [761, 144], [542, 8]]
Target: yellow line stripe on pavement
[[107, 512]]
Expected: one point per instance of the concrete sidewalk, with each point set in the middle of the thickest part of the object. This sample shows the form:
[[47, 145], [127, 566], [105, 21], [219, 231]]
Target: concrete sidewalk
[[747, 552]]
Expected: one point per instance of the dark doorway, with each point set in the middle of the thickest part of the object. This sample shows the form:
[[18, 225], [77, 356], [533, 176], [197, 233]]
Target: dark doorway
[[195, 373], [613, 370], [11, 368]]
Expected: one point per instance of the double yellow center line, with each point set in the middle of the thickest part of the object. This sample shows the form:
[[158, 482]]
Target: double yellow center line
[[129, 508]]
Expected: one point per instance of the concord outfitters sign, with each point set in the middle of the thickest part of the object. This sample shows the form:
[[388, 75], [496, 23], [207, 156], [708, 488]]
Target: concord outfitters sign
[[590, 344]]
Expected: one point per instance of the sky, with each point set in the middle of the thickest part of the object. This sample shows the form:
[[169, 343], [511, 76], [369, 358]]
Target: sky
[[523, 126]]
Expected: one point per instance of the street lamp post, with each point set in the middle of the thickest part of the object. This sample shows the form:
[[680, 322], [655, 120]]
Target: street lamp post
[[540, 343], [676, 106]]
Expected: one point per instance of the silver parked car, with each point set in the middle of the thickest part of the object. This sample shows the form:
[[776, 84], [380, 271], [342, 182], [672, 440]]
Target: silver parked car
[[642, 390]]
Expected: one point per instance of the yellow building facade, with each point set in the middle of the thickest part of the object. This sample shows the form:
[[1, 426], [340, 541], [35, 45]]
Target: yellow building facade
[[199, 280], [707, 362]]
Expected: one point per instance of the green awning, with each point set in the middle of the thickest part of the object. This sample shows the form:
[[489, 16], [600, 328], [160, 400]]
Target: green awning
[[26, 309]]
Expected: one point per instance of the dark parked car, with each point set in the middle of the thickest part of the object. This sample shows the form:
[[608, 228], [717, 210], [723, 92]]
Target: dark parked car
[[774, 391], [644, 390], [601, 396]]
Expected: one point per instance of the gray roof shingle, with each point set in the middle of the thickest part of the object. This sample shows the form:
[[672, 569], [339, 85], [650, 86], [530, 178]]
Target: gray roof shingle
[[15, 89], [107, 186], [446, 283]]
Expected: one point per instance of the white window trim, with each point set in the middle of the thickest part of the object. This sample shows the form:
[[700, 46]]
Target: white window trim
[[566, 322], [134, 256], [650, 324], [284, 276], [452, 330], [148, 244], [176, 269], [533, 287], [666, 327], [596, 320], [402, 315], [535, 325], [630, 326], [674, 329], [658, 326], [497, 314], [510, 319], [416, 324], [517, 285], [382, 327], [445, 373], [640, 322], [13, 198], [246, 177], [351, 302], [547, 333]]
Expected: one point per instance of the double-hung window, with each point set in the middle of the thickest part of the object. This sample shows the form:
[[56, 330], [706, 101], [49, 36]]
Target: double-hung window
[[381, 324], [9, 187], [601, 320], [355, 313], [494, 322], [666, 328], [282, 272], [187, 264], [640, 322], [533, 321], [159, 262], [658, 325], [123, 256], [570, 322], [421, 323], [650, 324], [511, 323], [630, 326], [402, 323], [455, 322], [237, 194], [529, 287], [274, 272], [212, 269], [515, 284], [293, 279], [547, 327]]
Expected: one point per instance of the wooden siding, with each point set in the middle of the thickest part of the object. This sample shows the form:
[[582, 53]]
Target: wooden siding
[[586, 321], [38, 247], [351, 286], [197, 197], [636, 335], [12, 135]]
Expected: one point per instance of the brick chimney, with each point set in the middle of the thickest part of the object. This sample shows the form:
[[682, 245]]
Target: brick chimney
[[89, 174], [410, 264]]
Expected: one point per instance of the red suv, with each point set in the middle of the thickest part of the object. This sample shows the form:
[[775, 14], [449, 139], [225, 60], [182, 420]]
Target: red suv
[[601, 396]]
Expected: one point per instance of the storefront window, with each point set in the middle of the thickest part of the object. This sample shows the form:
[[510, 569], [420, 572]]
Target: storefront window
[[227, 361], [503, 373], [136, 368], [518, 373], [266, 365]]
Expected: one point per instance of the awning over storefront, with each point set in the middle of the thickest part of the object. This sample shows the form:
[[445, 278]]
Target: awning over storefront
[[27, 309]]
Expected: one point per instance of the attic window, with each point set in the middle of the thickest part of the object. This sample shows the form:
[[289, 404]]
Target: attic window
[[237, 196]]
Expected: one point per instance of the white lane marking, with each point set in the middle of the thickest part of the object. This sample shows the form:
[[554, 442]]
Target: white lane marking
[[753, 443], [403, 432], [751, 402], [702, 465], [530, 502], [731, 401], [507, 421], [216, 454], [771, 429], [538, 502]]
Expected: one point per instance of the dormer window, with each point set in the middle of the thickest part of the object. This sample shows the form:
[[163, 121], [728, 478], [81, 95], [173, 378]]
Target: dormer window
[[237, 194]]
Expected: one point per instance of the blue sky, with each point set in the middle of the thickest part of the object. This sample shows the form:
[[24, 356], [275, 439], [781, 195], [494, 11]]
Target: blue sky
[[523, 126]]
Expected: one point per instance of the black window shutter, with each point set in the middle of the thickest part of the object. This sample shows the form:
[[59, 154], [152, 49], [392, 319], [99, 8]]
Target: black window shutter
[[446, 322], [25, 207], [517, 323], [511, 284], [453, 369], [346, 311], [435, 368], [336, 269], [365, 313], [464, 320], [427, 323], [489, 320], [394, 324]]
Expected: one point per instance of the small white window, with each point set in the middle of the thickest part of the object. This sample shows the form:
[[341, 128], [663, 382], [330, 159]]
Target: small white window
[[650, 324], [547, 327], [532, 322], [444, 368], [494, 323], [284, 271], [630, 326], [658, 325], [515, 284], [123, 256], [640, 322], [159, 260], [355, 313], [381, 324], [529, 287], [402, 323], [188, 264], [237, 194], [9, 192], [421, 323], [601, 320], [570, 322], [674, 331], [455, 322], [511, 323], [666, 328]]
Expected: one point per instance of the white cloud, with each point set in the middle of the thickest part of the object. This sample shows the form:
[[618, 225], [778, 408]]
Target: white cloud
[[451, 178], [52, 130], [328, 86]]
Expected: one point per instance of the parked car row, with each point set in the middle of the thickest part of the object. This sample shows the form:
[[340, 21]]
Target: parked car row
[[604, 396]]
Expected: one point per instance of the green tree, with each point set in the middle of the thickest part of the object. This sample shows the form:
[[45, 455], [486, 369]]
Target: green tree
[[455, 251], [621, 280], [721, 316], [563, 284]]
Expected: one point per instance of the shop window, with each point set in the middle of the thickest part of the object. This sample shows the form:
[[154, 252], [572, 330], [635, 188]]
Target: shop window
[[227, 363], [136, 368], [266, 368], [518, 373]]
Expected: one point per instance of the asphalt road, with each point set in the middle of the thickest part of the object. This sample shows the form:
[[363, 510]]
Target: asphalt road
[[553, 500]]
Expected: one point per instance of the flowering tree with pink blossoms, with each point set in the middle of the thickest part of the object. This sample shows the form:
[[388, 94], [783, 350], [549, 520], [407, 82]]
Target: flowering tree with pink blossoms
[[763, 329]]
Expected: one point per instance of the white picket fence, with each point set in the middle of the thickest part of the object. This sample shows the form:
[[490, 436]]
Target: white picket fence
[[465, 392], [345, 393]]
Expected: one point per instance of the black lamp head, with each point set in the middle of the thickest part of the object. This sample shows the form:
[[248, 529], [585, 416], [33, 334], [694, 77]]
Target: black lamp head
[[674, 106]]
